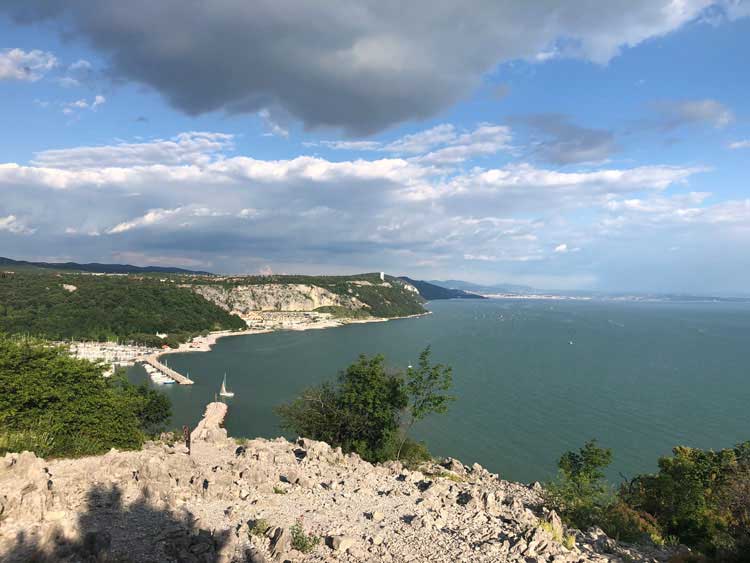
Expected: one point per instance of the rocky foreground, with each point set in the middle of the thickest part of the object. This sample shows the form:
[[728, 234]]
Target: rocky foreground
[[240, 501]]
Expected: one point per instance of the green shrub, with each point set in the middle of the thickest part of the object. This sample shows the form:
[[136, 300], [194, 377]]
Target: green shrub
[[409, 452], [624, 523], [258, 527], [39, 441], [569, 542], [56, 405], [339, 312], [302, 541], [701, 497], [698, 498], [580, 494]]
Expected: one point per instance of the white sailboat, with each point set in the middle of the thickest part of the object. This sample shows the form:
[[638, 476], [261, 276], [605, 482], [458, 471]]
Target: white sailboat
[[224, 392]]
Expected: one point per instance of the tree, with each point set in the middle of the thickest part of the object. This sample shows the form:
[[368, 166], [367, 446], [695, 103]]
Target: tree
[[426, 386], [360, 412], [580, 494], [700, 496], [56, 405]]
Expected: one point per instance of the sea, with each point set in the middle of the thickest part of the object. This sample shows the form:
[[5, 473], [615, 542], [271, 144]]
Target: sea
[[532, 378]]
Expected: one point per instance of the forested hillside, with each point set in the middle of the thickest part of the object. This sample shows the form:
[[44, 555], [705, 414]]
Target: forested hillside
[[92, 267], [430, 291], [63, 306], [60, 305]]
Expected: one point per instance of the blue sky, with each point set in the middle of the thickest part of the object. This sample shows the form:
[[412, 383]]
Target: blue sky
[[561, 145]]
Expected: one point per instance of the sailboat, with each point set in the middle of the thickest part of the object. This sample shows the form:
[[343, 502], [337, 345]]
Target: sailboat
[[223, 392]]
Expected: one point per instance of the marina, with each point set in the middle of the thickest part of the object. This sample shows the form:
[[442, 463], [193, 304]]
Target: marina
[[163, 373]]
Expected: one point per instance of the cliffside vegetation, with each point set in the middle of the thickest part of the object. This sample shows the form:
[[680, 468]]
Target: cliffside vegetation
[[369, 410], [389, 299], [55, 405], [344, 312], [85, 307], [698, 498]]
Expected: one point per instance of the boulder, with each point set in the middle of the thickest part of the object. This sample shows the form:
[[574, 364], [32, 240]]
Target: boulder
[[341, 543], [281, 541], [454, 465]]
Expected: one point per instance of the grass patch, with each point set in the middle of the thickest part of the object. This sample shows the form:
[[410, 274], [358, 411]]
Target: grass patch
[[258, 527]]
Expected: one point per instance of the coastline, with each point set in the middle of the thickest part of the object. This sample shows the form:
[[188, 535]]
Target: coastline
[[206, 343]]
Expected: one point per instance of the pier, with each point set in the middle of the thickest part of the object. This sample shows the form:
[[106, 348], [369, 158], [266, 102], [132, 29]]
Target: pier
[[169, 372]]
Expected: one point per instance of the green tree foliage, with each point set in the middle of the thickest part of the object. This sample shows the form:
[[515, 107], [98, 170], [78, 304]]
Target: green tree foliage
[[106, 308], [362, 410], [61, 406], [427, 387], [580, 494], [701, 497]]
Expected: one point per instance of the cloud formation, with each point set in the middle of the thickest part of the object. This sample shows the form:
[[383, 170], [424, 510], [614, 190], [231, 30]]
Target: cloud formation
[[188, 198], [30, 66], [336, 64], [11, 224], [680, 113], [185, 148], [562, 142]]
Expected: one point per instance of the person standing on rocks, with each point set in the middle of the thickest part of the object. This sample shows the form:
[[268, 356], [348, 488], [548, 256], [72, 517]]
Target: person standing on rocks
[[186, 435]]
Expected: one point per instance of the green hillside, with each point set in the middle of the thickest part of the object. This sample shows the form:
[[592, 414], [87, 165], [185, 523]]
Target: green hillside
[[105, 307]]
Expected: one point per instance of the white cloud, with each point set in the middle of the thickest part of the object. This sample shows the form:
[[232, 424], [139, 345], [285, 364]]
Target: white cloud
[[740, 145], [11, 224], [271, 125], [70, 108], [350, 145], [16, 64], [80, 65], [564, 249], [152, 217], [486, 139], [77, 73], [439, 145], [186, 197], [419, 143], [687, 112], [185, 148]]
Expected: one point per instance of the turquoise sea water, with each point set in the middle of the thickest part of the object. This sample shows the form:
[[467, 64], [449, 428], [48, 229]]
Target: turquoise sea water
[[532, 378]]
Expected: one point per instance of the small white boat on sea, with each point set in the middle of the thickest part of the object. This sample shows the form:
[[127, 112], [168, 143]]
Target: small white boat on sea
[[224, 392]]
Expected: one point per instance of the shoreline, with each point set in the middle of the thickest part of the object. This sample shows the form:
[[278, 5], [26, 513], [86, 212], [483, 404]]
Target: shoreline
[[206, 343]]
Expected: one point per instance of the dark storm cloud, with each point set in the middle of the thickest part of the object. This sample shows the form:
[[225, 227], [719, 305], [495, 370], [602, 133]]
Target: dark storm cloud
[[562, 142], [356, 65]]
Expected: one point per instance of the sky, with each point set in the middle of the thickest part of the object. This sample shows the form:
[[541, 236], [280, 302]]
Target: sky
[[564, 145]]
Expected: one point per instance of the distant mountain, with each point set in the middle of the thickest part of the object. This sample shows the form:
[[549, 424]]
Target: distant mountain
[[431, 291], [95, 268], [484, 289]]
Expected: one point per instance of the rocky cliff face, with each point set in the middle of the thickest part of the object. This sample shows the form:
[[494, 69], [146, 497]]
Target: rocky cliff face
[[232, 502], [243, 299]]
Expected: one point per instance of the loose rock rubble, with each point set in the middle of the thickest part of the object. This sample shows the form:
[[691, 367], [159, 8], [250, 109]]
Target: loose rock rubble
[[161, 504]]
